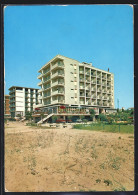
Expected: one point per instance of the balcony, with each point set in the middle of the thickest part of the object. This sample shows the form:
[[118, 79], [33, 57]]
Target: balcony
[[93, 96], [81, 79], [57, 101], [60, 74], [103, 78], [87, 73], [98, 76], [93, 81], [57, 65], [46, 80], [99, 90], [46, 72], [12, 91], [108, 85], [87, 87], [57, 92], [81, 72], [57, 83], [93, 89], [82, 102], [88, 103], [40, 90], [98, 83], [82, 94], [46, 96], [40, 83], [88, 95], [40, 76], [109, 92], [99, 97], [99, 103], [46, 87], [82, 87], [93, 74], [87, 81]]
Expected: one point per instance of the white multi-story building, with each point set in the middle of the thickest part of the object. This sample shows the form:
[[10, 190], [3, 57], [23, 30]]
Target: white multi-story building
[[65, 81], [22, 100]]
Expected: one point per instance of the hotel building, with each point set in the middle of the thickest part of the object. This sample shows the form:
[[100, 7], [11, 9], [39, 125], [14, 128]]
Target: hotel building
[[22, 100], [74, 85]]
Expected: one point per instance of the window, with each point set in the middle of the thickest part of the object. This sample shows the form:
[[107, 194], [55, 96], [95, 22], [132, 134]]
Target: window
[[72, 97], [72, 89]]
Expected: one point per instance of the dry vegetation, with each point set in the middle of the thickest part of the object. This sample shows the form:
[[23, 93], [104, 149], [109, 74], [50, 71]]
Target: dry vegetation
[[38, 160]]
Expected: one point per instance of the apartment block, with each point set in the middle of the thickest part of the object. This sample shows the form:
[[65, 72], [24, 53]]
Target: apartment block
[[68, 82], [22, 100], [7, 113]]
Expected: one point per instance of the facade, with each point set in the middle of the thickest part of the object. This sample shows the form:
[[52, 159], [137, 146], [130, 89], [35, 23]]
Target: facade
[[7, 113], [22, 100], [65, 81]]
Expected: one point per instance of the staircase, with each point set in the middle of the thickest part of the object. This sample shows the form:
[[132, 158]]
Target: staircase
[[44, 119], [23, 119]]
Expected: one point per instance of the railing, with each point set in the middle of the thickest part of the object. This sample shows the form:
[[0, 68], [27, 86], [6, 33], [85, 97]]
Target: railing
[[40, 76], [81, 87], [57, 65], [40, 83], [81, 72], [57, 74], [57, 83], [57, 92], [57, 101], [93, 89]]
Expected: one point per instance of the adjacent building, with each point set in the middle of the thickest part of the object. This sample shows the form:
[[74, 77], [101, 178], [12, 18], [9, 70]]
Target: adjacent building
[[7, 113], [75, 85], [22, 100]]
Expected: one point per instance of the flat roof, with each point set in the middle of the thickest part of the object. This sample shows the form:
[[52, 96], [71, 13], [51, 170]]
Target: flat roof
[[23, 87]]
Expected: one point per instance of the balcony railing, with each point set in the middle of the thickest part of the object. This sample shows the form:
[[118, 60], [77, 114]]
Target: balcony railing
[[57, 83], [57, 101], [57, 92], [81, 79], [81, 72], [40, 76], [57, 74], [40, 83], [82, 102], [93, 89], [57, 65]]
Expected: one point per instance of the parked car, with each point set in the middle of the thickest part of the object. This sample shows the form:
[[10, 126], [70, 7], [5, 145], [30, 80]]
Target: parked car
[[60, 120], [78, 121]]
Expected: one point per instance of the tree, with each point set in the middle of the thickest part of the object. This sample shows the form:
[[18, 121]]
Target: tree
[[42, 116], [92, 112], [19, 116], [54, 118], [102, 117], [82, 117], [28, 115]]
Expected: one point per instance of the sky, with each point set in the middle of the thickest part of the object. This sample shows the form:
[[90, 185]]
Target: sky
[[101, 34]]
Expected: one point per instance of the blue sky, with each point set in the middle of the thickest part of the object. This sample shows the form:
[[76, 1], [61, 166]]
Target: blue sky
[[101, 34]]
